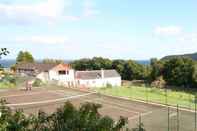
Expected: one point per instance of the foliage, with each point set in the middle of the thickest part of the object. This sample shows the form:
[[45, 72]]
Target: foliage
[[179, 72], [156, 69], [192, 56], [37, 83], [7, 81], [95, 63], [129, 70], [24, 56], [65, 118], [3, 51], [52, 61]]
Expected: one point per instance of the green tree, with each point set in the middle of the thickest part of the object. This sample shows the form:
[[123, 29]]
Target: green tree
[[179, 72], [118, 65], [24, 56], [52, 61], [156, 68], [133, 71]]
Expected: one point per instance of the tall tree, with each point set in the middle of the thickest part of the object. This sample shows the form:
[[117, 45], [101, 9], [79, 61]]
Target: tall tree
[[24, 56], [179, 72], [156, 69]]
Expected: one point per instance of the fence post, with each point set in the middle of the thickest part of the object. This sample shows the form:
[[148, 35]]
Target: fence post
[[195, 111], [146, 94], [168, 118], [166, 96], [131, 89], [177, 117], [140, 121], [190, 104]]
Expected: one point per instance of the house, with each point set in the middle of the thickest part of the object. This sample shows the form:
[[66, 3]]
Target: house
[[64, 74], [97, 78]]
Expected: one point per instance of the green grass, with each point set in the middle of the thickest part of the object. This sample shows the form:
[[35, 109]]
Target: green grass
[[5, 85], [181, 98]]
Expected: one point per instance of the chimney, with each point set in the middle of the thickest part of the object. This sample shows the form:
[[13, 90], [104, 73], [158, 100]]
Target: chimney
[[102, 73]]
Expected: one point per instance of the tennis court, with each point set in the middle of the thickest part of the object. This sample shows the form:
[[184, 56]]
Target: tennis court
[[154, 117]]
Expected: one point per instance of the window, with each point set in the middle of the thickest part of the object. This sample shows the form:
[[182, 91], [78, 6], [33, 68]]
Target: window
[[62, 72]]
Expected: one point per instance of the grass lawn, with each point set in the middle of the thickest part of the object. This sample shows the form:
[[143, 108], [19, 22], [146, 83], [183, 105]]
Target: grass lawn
[[148, 94], [5, 85]]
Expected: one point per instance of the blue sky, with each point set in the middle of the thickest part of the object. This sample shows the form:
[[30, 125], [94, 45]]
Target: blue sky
[[72, 29]]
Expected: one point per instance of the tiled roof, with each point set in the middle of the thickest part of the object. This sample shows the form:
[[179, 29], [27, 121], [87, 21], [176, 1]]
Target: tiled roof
[[62, 67], [40, 67], [96, 74]]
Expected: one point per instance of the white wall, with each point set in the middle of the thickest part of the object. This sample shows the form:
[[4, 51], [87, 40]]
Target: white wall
[[114, 81], [44, 76], [64, 79]]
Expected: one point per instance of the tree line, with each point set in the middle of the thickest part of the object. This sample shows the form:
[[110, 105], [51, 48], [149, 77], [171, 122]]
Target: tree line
[[175, 71], [128, 69]]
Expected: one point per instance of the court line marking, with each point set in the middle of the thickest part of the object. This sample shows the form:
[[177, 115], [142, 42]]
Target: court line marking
[[149, 103], [27, 94], [122, 106], [140, 114], [49, 101], [117, 107], [126, 106]]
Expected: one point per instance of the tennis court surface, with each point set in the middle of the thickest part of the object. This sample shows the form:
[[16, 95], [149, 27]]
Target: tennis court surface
[[154, 117]]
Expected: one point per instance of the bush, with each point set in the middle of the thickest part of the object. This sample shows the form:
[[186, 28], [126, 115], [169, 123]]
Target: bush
[[108, 85], [8, 79], [37, 83], [65, 118]]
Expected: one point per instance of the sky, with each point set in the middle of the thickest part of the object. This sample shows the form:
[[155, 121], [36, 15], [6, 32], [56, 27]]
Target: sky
[[116, 29]]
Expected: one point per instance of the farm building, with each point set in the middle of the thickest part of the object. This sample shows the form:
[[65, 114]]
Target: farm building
[[65, 75]]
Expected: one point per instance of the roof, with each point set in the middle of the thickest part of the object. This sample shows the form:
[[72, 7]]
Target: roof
[[61, 67], [40, 67], [96, 74]]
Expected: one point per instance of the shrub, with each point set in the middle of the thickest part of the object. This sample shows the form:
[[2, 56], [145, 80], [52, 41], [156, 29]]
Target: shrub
[[37, 83], [108, 85]]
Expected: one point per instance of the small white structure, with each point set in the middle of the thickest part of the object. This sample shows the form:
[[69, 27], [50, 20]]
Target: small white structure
[[98, 78], [65, 75]]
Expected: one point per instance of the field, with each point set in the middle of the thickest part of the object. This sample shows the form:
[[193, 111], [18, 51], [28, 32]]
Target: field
[[154, 117], [171, 97]]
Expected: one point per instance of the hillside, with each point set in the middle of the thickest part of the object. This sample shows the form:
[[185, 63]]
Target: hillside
[[192, 56]]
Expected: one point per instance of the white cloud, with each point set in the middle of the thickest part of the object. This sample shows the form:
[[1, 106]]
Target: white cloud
[[46, 11], [192, 38], [168, 30], [42, 39], [89, 9]]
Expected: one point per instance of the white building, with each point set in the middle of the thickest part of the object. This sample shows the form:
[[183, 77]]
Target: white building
[[97, 78], [65, 75]]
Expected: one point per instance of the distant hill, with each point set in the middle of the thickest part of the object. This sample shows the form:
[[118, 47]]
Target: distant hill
[[192, 56]]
